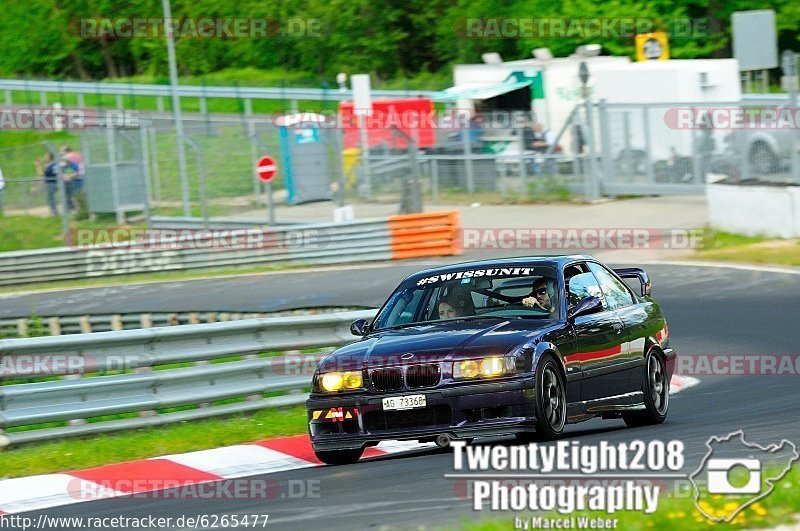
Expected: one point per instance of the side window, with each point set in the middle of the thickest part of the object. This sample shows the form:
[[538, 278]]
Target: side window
[[583, 285], [615, 291]]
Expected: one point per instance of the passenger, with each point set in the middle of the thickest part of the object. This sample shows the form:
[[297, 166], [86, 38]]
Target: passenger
[[457, 303]]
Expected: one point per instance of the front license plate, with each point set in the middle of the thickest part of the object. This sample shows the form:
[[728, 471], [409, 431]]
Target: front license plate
[[395, 403]]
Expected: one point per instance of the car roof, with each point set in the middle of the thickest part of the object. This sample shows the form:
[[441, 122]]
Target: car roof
[[517, 261]]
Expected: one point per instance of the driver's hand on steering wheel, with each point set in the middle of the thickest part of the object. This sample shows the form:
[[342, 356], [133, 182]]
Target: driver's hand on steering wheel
[[532, 302]]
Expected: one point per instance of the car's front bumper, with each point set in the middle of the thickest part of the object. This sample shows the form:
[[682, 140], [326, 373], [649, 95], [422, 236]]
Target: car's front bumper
[[462, 411]]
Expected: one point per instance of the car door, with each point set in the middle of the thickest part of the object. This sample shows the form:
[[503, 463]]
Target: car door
[[599, 339], [627, 373]]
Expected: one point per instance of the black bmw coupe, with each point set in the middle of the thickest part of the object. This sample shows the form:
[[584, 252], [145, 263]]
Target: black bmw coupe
[[513, 346]]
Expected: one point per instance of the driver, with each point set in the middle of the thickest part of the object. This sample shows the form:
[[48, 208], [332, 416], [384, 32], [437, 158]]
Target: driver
[[542, 296]]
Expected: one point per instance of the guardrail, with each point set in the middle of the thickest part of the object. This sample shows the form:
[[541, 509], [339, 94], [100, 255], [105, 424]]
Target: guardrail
[[187, 248], [230, 364], [194, 91], [84, 324]]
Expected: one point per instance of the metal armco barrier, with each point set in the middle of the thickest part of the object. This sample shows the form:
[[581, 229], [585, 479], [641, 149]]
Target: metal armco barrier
[[186, 248], [78, 324], [144, 385], [195, 91]]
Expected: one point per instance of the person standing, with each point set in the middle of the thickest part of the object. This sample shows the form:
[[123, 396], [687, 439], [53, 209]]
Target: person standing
[[47, 168], [73, 169]]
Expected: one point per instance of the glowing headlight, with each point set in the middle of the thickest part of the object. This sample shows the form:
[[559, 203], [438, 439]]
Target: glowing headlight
[[492, 367], [483, 368], [334, 381]]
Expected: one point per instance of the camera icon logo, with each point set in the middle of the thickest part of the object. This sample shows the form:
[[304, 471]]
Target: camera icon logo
[[735, 474], [719, 481]]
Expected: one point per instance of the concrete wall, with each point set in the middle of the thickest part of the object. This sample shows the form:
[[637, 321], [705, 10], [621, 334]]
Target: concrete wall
[[755, 210]]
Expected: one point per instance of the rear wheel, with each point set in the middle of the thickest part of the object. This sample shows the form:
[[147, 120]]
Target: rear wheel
[[339, 457], [656, 394]]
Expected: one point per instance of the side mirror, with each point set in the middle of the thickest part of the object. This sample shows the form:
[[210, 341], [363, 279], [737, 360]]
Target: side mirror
[[585, 306], [359, 327], [640, 275]]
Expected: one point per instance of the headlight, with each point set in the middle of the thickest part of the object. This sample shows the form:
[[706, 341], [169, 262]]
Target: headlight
[[335, 381], [483, 367]]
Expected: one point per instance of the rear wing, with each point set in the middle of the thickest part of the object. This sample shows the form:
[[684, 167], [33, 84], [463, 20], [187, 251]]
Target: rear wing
[[637, 273]]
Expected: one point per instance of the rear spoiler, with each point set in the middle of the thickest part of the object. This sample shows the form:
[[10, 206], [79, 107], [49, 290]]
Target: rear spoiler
[[638, 273]]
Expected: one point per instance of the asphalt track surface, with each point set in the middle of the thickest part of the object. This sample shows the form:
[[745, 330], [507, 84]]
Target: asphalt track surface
[[709, 311]]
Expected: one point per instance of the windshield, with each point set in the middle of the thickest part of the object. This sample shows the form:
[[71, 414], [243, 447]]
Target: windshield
[[490, 293]]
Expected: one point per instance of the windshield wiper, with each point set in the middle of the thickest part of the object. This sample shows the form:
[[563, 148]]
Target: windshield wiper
[[453, 320], [480, 317]]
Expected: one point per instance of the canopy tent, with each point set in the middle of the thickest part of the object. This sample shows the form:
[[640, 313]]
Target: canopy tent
[[479, 91]]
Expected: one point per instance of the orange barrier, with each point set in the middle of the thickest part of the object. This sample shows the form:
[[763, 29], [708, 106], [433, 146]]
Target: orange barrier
[[426, 234]]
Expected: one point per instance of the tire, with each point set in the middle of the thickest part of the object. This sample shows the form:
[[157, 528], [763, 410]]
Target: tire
[[339, 457], [656, 393], [762, 159], [551, 402]]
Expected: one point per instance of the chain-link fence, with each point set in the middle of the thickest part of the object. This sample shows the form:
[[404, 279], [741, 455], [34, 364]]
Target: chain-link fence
[[678, 148], [602, 149], [25, 189]]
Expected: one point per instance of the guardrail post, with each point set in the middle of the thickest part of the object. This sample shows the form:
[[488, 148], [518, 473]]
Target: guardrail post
[[9, 99], [81, 100], [648, 146], [146, 320], [116, 322], [160, 103], [605, 141], [211, 317], [74, 422], [43, 98], [172, 319], [22, 327], [194, 318], [469, 170], [54, 325], [85, 324], [120, 103]]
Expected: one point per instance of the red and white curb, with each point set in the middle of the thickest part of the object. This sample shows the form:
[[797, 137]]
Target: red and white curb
[[680, 383], [180, 470]]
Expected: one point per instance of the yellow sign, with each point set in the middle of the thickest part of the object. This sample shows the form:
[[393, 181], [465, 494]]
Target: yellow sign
[[652, 46]]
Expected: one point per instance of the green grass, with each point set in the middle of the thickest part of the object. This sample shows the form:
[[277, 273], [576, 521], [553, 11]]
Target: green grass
[[780, 507], [728, 247], [71, 454], [18, 233]]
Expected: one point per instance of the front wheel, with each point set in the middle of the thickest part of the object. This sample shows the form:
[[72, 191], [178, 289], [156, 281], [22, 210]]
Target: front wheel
[[339, 457], [551, 402], [656, 394]]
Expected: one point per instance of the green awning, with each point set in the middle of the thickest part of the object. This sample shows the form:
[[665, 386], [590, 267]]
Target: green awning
[[474, 91]]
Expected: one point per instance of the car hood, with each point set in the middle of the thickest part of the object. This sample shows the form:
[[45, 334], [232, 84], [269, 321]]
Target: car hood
[[434, 342]]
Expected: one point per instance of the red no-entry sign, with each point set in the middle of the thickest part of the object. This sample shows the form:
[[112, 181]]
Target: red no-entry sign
[[266, 168]]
